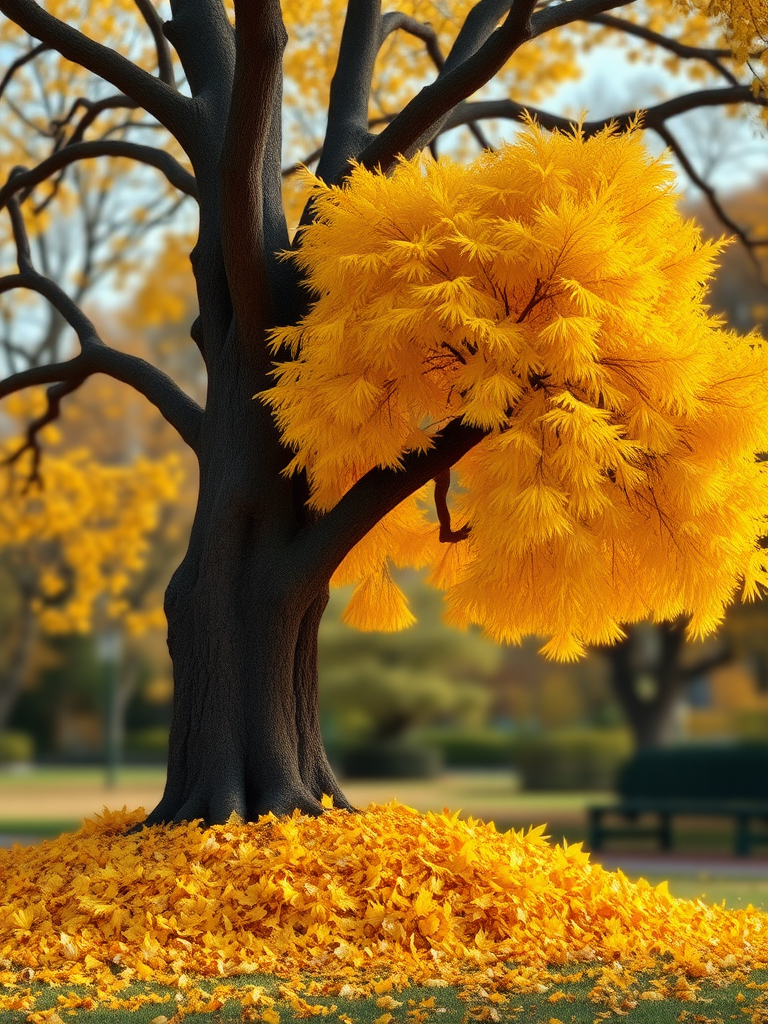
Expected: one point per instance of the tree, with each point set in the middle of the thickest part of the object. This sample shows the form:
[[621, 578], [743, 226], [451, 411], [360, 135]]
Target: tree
[[534, 320], [77, 550], [380, 687]]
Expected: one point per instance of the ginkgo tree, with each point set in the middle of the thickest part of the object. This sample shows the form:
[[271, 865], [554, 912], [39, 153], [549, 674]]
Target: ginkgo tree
[[503, 369]]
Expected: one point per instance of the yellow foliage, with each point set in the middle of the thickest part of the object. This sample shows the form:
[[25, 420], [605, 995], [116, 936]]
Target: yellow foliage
[[552, 294], [364, 904], [86, 532]]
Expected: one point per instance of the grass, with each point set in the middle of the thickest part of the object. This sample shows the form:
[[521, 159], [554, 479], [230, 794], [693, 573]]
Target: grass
[[566, 1002]]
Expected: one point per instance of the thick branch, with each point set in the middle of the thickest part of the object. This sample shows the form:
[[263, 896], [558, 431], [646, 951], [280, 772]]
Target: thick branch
[[28, 179], [175, 405], [155, 26], [322, 547], [715, 205], [205, 42], [394, 21], [184, 414], [425, 115], [700, 668], [261, 39], [709, 55], [347, 131], [169, 107], [95, 357]]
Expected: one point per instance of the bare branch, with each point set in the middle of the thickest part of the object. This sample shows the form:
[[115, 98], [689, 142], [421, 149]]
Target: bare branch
[[175, 405], [476, 30], [394, 21], [75, 369], [157, 158], [347, 132], [709, 55], [20, 62], [700, 668], [20, 236], [92, 111], [447, 534], [182, 412], [557, 15], [749, 244], [651, 117], [261, 39], [159, 99], [424, 116], [54, 394], [310, 159], [155, 25], [321, 548]]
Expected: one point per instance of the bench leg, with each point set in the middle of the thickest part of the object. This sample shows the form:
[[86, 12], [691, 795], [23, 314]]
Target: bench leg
[[742, 835], [665, 831], [595, 830]]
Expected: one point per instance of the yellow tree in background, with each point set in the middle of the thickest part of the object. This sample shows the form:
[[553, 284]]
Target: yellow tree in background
[[535, 320]]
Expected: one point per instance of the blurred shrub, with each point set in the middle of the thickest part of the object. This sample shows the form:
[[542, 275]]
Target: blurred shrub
[[381, 686], [470, 748], [572, 759], [389, 759], [148, 745], [751, 725], [16, 747]]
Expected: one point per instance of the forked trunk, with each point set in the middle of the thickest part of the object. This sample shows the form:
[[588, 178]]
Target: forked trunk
[[649, 688], [243, 628]]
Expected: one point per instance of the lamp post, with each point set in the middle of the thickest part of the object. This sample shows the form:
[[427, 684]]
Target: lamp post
[[109, 648]]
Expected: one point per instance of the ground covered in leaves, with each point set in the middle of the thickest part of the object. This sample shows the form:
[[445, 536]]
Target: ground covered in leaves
[[351, 907]]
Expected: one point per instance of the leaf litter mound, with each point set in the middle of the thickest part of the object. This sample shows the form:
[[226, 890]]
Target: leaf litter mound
[[360, 904]]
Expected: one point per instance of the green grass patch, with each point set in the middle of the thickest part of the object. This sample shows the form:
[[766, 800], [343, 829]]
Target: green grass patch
[[37, 828], [569, 1002]]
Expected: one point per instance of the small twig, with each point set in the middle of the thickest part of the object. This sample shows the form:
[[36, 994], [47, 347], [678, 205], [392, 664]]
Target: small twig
[[20, 62], [54, 393], [447, 535]]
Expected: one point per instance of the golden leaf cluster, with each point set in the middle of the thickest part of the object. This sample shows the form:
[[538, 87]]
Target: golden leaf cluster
[[552, 294], [361, 904], [86, 533]]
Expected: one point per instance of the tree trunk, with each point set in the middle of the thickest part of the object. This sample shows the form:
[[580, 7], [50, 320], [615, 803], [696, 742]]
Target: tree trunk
[[243, 630], [245, 735], [648, 688]]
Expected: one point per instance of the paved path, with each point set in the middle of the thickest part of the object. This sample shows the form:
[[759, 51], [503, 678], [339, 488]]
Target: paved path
[[684, 864]]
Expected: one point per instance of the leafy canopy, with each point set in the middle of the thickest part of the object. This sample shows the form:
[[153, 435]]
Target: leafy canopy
[[551, 294]]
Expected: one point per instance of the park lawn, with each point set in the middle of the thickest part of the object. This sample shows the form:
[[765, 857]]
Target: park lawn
[[564, 1002]]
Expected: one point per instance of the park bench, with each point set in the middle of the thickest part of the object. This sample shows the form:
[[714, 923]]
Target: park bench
[[694, 781]]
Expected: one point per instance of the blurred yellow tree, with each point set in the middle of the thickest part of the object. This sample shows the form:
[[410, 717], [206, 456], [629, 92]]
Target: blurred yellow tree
[[535, 319]]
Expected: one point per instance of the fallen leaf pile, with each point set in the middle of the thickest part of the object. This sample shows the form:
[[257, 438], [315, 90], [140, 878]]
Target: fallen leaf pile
[[362, 903]]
